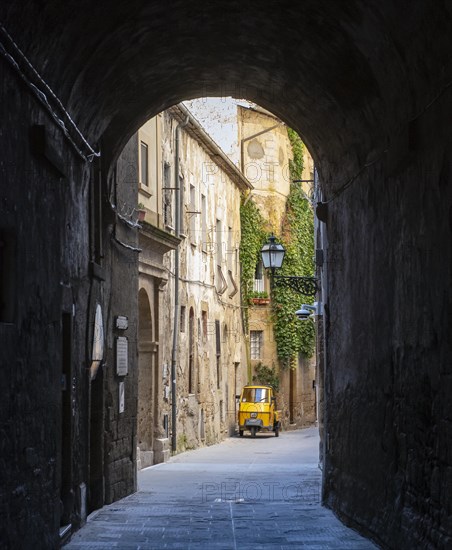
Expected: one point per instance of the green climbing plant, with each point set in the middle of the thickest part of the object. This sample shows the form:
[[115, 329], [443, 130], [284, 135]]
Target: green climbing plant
[[297, 237], [266, 376], [253, 235]]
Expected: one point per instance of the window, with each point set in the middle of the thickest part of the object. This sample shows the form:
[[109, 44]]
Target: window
[[219, 243], [217, 338], [258, 285], [225, 334], [167, 197], [204, 222], [218, 350], [256, 341], [192, 213], [256, 395], [182, 318], [181, 204], [230, 249], [144, 164], [204, 324]]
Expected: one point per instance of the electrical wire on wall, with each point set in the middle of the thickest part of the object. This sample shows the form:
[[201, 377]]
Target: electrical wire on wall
[[42, 91]]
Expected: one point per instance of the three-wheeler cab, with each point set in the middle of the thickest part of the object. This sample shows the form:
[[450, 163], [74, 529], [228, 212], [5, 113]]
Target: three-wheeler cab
[[257, 410]]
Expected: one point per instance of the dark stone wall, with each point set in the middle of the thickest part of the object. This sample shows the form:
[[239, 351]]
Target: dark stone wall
[[367, 84], [57, 235], [389, 368], [44, 223], [120, 434]]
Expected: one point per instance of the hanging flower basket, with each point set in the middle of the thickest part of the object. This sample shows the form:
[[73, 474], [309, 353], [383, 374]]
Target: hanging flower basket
[[141, 214]]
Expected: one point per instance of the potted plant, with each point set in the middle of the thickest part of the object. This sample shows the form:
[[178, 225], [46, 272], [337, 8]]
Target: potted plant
[[260, 298], [141, 211]]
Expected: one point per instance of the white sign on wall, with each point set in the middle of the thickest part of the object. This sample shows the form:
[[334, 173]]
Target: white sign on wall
[[122, 356], [97, 354], [122, 322], [121, 397]]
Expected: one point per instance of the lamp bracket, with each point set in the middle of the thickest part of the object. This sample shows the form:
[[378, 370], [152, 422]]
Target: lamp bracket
[[303, 285]]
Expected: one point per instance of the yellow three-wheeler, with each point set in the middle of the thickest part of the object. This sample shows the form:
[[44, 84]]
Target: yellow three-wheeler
[[257, 410]]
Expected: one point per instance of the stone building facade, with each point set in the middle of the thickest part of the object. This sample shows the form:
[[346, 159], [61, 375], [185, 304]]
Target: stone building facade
[[265, 152], [209, 348], [258, 143]]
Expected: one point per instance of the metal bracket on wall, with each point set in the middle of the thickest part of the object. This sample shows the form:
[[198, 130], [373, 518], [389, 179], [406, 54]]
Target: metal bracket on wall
[[303, 285]]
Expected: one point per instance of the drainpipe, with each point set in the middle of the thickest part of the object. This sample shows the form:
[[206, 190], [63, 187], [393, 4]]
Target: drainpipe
[[176, 291]]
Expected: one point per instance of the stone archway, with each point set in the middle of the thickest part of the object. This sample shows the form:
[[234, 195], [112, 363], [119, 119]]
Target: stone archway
[[368, 86]]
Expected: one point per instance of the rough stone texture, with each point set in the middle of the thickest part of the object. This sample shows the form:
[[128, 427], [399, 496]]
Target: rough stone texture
[[120, 427], [389, 368], [50, 272], [360, 81]]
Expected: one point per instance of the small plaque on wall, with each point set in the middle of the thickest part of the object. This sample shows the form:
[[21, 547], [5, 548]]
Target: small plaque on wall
[[122, 356], [122, 322]]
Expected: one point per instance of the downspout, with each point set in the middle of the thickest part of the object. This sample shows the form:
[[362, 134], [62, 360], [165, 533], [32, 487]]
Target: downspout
[[176, 291]]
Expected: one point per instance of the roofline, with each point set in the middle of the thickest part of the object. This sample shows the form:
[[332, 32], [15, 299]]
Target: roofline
[[196, 131], [262, 111]]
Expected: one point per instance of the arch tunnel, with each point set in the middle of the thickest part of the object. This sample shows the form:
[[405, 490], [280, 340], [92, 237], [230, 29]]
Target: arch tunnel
[[368, 87]]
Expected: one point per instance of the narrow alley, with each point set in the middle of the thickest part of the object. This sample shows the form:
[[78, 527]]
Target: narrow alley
[[156, 258], [242, 493]]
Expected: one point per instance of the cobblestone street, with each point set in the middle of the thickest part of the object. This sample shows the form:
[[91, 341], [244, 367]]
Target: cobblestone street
[[241, 494]]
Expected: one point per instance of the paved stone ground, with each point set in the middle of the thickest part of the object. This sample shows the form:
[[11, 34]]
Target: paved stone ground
[[241, 494]]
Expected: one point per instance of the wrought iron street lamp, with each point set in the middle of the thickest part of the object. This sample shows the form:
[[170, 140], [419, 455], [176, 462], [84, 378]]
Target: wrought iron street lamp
[[272, 255]]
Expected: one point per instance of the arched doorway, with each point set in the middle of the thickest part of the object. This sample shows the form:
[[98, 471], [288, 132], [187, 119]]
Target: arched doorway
[[146, 382]]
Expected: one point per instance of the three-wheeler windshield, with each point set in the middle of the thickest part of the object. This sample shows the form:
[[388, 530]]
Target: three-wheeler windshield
[[256, 395]]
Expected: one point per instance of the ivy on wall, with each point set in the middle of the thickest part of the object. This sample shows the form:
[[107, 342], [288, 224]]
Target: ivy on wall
[[253, 235], [293, 336], [266, 376]]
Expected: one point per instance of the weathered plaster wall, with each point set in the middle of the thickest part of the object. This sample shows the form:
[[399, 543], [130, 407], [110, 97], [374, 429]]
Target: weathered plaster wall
[[266, 158], [201, 289], [297, 396], [266, 162]]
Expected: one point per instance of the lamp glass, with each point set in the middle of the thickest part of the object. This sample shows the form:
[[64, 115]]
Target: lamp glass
[[272, 254]]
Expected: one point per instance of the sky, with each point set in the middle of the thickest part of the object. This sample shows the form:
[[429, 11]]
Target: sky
[[218, 117]]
